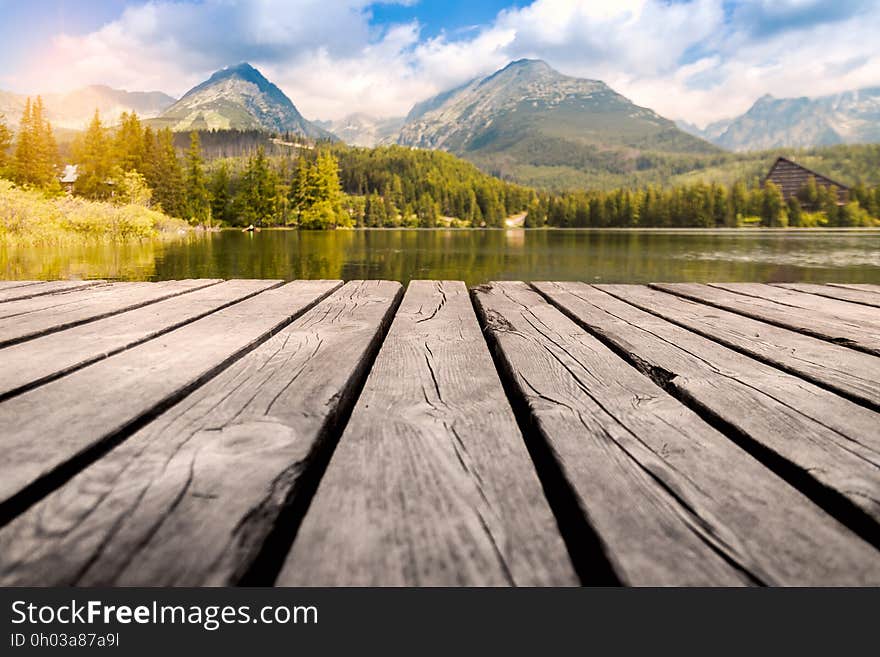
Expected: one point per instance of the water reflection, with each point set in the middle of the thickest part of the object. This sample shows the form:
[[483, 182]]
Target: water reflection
[[474, 256]]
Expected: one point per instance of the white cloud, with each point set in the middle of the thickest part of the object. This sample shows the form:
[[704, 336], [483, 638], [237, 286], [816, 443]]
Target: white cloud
[[684, 59]]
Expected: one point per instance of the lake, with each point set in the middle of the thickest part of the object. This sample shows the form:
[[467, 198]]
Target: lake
[[475, 256]]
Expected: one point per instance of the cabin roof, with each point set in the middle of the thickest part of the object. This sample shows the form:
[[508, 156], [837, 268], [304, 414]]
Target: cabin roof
[[70, 174], [792, 177]]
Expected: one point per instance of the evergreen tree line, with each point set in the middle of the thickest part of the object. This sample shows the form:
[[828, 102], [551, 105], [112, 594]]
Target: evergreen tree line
[[332, 185], [132, 163], [34, 159], [220, 144], [335, 185], [705, 205], [403, 186], [263, 191], [135, 164]]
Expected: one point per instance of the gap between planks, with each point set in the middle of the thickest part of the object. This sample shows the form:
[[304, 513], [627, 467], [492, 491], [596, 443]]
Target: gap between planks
[[673, 500], [52, 431], [431, 483], [243, 566]]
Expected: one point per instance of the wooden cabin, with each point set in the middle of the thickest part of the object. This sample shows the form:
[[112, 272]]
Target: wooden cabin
[[791, 178], [69, 177]]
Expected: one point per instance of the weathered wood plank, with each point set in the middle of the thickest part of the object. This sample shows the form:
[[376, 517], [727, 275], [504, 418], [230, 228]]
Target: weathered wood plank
[[431, 483], [835, 292], [42, 359], [673, 500], [12, 290], [818, 324], [10, 285], [46, 432], [5, 285], [849, 372], [862, 287], [26, 319], [843, 310], [828, 439], [190, 498]]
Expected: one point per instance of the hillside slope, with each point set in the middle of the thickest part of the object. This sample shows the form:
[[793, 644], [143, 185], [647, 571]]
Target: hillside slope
[[238, 98], [530, 123]]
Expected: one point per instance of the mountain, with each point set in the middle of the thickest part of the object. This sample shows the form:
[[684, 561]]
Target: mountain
[[852, 117], [74, 110], [364, 130], [238, 98], [532, 123], [710, 133]]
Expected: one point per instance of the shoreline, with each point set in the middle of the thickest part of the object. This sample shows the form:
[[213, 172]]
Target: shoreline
[[608, 229]]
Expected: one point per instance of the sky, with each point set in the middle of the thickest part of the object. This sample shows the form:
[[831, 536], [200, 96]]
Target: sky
[[698, 60]]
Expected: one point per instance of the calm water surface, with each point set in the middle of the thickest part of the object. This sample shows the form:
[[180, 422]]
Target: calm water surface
[[474, 256]]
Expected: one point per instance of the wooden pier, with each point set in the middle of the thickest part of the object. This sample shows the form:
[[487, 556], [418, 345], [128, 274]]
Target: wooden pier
[[252, 432]]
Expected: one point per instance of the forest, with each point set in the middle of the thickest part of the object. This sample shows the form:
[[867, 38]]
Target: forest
[[241, 178], [706, 205]]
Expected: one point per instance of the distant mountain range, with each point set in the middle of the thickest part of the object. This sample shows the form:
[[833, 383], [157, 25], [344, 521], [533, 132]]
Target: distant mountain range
[[527, 117], [74, 110], [238, 97], [361, 129], [527, 122], [852, 117]]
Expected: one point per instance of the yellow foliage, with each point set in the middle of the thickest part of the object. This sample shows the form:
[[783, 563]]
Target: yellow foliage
[[31, 217], [813, 220]]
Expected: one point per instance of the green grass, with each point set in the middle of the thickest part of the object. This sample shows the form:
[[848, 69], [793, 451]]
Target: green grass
[[29, 217]]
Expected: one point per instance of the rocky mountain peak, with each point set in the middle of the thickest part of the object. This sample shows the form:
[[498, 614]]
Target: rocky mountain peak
[[241, 98]]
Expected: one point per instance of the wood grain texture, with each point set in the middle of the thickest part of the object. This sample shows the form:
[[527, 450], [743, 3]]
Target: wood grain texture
[[44, 430], [845, 311], [25, 319], [829, 439], [431, 483], [862, 287], [42, 359], [835, 292], [6, 285], [824, 326], [668, 494], [11, 290], [189, 499], [852, 373]]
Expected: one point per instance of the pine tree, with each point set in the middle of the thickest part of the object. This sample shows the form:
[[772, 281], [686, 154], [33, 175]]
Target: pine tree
[[809, 194], [36, 152], [94, 164], [739, 201], [827, 202], [46, 147], [150, 146], [256, 202], [375, 212], [795, 214], [165, 175], [773, 212], [220, 193], [129, 144], [5, 145], [536, 215], [316, 194], [391, 211], [25, 146], [198, 201], [132, 188], [426, 211]]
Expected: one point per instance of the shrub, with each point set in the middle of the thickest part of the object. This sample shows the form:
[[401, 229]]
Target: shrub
[[31, 217]]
